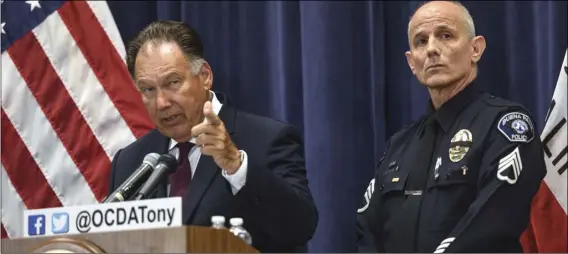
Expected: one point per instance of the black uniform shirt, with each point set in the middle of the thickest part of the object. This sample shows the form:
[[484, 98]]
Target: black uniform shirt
[[484, 167]]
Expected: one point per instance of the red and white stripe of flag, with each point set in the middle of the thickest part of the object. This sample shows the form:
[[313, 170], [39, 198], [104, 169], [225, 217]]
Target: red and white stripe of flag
[[547, 230], [68, 105]]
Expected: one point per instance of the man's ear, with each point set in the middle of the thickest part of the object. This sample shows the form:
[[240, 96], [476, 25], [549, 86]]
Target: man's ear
[[207, 76], [478, 47], [409, 61]]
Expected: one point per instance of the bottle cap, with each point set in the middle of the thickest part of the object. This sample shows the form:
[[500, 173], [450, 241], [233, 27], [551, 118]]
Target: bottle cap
[[236, 221], [218, 219]]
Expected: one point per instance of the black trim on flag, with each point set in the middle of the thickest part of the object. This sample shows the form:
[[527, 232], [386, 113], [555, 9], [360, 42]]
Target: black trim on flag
[[551, 134]]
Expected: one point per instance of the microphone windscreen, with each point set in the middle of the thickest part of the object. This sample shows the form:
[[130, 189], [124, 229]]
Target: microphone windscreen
[[152, 158], [170, 162]]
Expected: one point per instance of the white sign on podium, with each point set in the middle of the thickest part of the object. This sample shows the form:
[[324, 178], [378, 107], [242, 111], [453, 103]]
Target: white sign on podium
[[128, 215]]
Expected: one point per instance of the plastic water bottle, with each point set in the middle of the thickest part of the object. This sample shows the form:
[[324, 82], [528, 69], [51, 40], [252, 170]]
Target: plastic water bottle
[[238, 230], [218, 222]]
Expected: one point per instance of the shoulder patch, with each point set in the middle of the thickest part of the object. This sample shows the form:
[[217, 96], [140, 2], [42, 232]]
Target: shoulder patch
[[517, 127], [367, 197]]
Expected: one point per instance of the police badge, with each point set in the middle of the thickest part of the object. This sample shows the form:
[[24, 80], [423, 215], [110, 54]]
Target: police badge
[[460, 144], [516, 127]]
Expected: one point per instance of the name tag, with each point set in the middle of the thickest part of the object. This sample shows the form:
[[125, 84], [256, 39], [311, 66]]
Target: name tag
[[413, 192]]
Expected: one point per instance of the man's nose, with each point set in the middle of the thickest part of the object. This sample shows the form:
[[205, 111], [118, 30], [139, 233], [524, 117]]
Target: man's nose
[[433, 47], [162, 100]]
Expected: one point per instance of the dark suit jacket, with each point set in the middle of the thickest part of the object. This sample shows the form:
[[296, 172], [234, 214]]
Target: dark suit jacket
[[276, 204]]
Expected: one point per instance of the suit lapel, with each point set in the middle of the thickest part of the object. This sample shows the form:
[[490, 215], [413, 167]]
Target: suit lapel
[[206, 170]]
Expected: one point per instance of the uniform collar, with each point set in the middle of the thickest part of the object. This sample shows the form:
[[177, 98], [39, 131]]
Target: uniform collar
[[215, 105], [448, 112]]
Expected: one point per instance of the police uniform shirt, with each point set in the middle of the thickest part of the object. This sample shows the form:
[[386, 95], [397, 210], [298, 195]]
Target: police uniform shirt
[[481, 173]]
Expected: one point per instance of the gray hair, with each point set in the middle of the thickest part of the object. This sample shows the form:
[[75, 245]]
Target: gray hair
[[470, 26], [195, 65]]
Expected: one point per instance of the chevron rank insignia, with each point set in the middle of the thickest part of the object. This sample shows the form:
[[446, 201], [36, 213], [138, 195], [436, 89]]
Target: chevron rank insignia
[[510, 167], [367, 197], [444, 245], [516, 127]]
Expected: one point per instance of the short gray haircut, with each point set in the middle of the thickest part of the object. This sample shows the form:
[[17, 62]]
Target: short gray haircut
[[195, 66], [470, 26]]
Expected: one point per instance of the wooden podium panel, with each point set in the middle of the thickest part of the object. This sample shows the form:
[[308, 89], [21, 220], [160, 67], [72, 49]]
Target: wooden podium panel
[[188, 239]]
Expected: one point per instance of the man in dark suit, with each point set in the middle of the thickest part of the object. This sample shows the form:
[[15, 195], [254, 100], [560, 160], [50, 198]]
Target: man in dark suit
[[230, 162]]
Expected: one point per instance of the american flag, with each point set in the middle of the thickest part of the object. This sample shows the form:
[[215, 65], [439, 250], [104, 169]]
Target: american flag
[[68, 105]]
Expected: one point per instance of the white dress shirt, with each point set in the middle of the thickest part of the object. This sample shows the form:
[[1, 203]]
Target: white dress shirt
[[236, 180]]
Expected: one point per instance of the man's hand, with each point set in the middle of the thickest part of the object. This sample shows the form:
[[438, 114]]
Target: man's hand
[[213, 139]]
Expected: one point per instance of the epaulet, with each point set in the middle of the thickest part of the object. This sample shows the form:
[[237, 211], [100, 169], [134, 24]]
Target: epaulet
[[495, 101]]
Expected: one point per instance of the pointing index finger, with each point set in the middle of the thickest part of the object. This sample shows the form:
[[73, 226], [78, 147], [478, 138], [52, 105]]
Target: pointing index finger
[[210, 116]]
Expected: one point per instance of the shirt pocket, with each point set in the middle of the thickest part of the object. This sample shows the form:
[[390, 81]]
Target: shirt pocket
[[392, 183], [391, 188], [453, 175], [449, 196]]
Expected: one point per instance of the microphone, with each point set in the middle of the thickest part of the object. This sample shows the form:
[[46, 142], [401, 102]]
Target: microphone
[[167, 164], [129, 187]]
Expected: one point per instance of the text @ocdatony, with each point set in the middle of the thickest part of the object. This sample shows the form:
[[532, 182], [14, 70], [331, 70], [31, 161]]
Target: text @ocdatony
[[122, 216]]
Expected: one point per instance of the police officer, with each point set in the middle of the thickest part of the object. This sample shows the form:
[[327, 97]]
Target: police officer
[[461, 179]]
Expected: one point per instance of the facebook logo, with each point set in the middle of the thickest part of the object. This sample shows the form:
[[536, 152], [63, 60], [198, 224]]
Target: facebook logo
[[60, 223], [36, 225]]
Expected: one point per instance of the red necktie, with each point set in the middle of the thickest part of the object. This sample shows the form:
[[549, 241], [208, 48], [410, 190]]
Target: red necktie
[[179, 180]]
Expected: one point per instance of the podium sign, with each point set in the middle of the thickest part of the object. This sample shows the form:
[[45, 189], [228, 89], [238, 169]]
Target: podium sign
[[128, 215]]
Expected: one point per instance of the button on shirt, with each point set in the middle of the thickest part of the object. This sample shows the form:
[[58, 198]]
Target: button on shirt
[[236, 180]]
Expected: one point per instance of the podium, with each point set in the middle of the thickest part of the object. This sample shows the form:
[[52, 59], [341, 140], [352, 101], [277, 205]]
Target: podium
[[186, 239]]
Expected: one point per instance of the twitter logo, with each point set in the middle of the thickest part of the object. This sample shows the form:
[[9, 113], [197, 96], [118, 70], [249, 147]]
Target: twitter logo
[[60, 223]]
